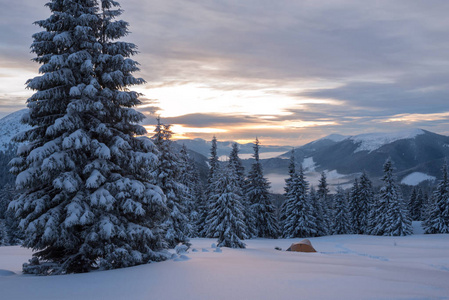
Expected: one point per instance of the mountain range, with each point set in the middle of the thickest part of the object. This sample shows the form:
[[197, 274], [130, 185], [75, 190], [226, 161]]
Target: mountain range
[[418, 155]]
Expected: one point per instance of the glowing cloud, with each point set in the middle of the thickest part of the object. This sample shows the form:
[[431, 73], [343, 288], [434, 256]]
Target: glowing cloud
[[415, 118]]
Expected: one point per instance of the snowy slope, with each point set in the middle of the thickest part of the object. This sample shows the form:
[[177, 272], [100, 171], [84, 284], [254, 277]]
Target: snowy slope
[[9, 126], [345, 267], [373, 141]]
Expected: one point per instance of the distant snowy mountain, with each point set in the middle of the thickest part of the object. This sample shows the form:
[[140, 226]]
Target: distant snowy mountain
[[333, 137], [373, 141], [417, 155], [9, 126]]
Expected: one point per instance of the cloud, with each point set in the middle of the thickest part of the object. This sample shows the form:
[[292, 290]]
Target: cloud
[[207, 120], [344, 66]]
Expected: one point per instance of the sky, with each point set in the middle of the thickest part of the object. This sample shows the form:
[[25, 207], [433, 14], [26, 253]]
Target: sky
[[287, 71]]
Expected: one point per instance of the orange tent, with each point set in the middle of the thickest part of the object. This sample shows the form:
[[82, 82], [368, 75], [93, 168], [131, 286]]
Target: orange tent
[[302, 246]]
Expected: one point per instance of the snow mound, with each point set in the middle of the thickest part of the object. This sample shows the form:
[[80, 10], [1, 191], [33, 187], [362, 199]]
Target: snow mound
[[181, 249], [6, 273], [181, 258], [416, 178], [373, 141]]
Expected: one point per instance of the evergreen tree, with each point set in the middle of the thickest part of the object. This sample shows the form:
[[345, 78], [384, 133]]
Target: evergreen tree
[[289, 187], [419, 205], [87, 194], [354, 208], [392, 215], [299, 220], [213, 166], [11, 234], [6, 155], [225, 220], [365, 198], [437, 218], [411, 203], [189, 177], [416, 202], [341, 221], [235, 163], [257, 192], [318, 213], [325, 203], [168, 173]]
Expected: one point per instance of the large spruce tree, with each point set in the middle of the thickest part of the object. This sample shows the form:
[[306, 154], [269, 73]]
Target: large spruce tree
[[366, 198], [299, 218], [326, 204], [235, 163], [392, 217], [225, 219], [214, 164], [87, 195], [354, 207], [262, 208], [341, 223]]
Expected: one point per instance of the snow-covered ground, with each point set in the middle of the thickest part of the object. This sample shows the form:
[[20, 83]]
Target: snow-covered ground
[[345, 267], [416, 178]]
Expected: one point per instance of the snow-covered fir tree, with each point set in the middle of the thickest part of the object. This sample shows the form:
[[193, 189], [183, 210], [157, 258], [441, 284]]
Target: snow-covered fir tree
[[416, 202], [236, 164], [189, 177], [225, 220], [299, 219], [437, 216], [365, 197], [411, 202], [256, 190], [213, 166], [318, 213], [420, 203], [289, 188], [11, 233], [325, 202], [87, 194], [4, 202], [341, 223], [176, 226], [354, 208], [392, 217]]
